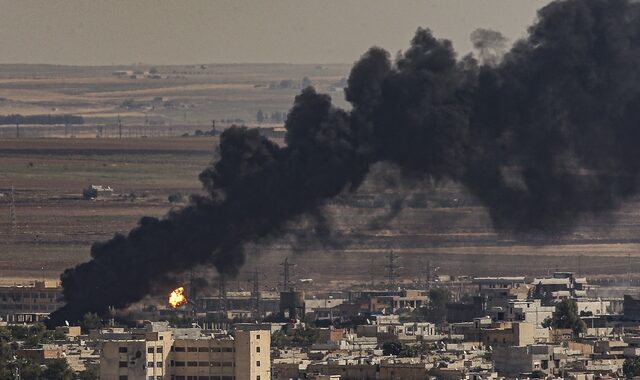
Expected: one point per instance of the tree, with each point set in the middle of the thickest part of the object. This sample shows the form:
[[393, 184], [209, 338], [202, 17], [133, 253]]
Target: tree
[[260, 116], [280, 340], [31, 371], [405, 350], [58, 369], [437, 308], [91, 321], [392, 348], [305, 337], [631, 367], [88, 374], [566, 317]]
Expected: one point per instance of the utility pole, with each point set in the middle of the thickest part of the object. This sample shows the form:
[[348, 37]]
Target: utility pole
[[222, 293], [256, 294], [629, 270], [119, 127], [17, 130], [286, 273], [392, 268], [580, 264], [192, 293], [12, 213], [372, 272]]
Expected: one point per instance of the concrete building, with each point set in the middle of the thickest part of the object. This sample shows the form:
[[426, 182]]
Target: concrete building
[[561, 286], [497, 292], [508, 334], [97, 191], [161, 353], [25, 304], [292, 304], [631, 307], [513, 361]]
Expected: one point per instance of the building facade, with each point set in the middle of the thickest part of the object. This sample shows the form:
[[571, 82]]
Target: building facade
[[31, 303], [188, 354]]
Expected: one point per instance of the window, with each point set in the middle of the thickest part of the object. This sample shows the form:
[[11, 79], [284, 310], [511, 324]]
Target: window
[[258, 336], [257, 349], [123, 377], [122, 350], [122, 364], [203, 349], [150, 350], [149, 364], [203, 364], [150, 378], [172, 363], [179, 349], [215, 349], [159, 349], [258, 363], [158, 364], [179, 364], [192, 349], [192, 364], [158, 377], [258, 377], [227, 349], [215, 364]]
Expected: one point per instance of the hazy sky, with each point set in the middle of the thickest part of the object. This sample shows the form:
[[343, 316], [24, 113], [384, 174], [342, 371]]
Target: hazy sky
[[216, 31]]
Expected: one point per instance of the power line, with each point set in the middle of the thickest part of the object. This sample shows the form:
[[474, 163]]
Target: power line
[[12, 213], [392, 268], [222, 293], [286, 274], [256, 293]]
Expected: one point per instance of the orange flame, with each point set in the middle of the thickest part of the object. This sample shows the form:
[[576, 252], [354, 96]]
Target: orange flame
[[177, 298]]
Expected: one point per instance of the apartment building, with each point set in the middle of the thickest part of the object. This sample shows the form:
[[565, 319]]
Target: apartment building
[[29, 303], [188, 354]]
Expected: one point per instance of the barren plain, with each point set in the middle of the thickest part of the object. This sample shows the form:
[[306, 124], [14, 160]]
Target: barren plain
[[54, 227]]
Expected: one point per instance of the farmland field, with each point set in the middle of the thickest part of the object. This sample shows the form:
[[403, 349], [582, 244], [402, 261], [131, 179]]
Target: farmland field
[[55, 227]]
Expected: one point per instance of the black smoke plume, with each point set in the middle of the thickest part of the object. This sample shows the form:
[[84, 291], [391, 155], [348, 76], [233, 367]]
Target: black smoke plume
[[547, 134]]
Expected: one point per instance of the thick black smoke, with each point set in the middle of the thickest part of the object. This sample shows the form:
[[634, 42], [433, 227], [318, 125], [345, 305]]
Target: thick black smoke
[[547, 134]]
